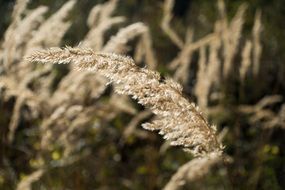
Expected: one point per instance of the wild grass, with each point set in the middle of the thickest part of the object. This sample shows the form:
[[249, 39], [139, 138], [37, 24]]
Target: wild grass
[[67, 120]]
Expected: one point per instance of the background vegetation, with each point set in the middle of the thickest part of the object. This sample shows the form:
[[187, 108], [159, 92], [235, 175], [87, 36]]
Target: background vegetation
[[251, 111]]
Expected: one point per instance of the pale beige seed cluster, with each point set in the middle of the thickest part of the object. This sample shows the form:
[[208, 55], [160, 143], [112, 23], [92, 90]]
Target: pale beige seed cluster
[[179, 121], [192, 171]]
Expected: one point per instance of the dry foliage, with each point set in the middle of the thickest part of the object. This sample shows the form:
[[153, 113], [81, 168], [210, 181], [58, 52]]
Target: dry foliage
[[65, 112], [180, 121]]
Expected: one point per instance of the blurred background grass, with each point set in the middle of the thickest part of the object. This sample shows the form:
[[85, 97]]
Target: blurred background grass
[[138, 163]]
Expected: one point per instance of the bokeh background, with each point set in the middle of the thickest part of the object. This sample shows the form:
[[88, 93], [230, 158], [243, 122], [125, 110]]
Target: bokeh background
[[102, 157]]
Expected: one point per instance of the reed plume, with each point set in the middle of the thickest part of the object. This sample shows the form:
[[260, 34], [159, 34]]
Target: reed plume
[[54, 27], [192, 171], [180, 122], [118, 42], [246, 59], [257, 47], [232, 39], [100, 20]]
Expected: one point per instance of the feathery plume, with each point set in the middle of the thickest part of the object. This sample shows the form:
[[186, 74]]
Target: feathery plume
[[208, 73], [118, 42], [23, 95], [30, 23], [95, 37], [54, 27], [232, 38], [192, 171], [223, 15], [19, 8], [94, 16], [257, 47], [49, 34], [202, 85], [100, 20], [108, 9], [13, 50], [245, 63], [165, 99]]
